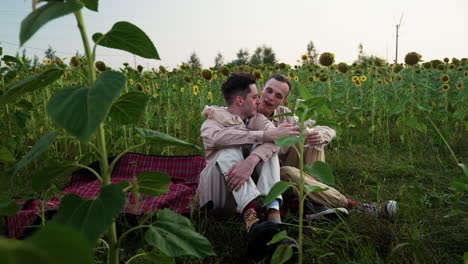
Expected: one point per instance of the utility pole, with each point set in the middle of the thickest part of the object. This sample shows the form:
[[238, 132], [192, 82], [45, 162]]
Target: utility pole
[[396, 50]]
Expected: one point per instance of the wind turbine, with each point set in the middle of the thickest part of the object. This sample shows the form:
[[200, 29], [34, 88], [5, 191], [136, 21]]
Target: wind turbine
[[397, 27]]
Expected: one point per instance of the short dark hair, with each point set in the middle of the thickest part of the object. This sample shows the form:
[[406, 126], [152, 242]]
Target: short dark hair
[[237, 84], [281, 78]]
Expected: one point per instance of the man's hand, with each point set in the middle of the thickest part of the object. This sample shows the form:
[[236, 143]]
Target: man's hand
[[281, 131], [314, 138], [240, 172]]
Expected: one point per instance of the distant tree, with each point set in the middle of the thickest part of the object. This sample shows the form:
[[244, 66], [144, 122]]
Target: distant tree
[[263, 55], [194, 62], [242, 57], [257, 57], [365, 59], [312, 52], [50, 53], [35, 62], [219, 60]]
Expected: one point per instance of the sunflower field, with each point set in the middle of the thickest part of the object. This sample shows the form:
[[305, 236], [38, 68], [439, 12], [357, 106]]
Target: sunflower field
[[402, 134]]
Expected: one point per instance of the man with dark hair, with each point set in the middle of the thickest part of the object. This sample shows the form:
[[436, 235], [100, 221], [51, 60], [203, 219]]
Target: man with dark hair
[[274, 96], [242, 161]]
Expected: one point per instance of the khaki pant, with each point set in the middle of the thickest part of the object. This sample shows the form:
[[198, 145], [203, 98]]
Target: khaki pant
[[213, 186], [290, 172]]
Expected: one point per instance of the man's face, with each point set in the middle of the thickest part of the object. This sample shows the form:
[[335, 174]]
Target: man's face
[[251, 101], [274, 94]]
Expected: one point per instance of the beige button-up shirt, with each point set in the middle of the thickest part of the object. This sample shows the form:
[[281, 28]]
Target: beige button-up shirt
[[231, 131]]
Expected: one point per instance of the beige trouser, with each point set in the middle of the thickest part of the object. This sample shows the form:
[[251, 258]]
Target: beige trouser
[[291, 173], [213, 186]]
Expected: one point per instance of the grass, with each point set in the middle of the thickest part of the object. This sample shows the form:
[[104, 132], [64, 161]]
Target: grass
[[418, 234]]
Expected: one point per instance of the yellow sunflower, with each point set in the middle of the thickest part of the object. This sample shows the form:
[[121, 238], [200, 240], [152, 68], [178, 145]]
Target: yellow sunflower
[[445, 78], [195, 90], [210, 96], [46, 61], [445, 87], [355, 78], [296, 78], [155, 95], [131, 82], [357, 83], [182, 89], [147, 88], [363, 78], [459, 85], [304, 57]]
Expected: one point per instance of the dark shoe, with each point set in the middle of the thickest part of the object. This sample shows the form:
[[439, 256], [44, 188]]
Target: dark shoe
[[259, 235], [285, 243], [316, 211], [386, 210]]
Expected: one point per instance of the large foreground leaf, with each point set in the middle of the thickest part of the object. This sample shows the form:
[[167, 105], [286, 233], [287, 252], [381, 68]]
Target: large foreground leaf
[[80, 110], [47, 174], [39, 17], [41, 145], [91, 4], [322, 170], [277, 189], [30, 84], [174, 235], [91, 217], [128, 37], [155, 137], [128, 108], [289, 141], [8, 207], [52, 244], [153, 183]]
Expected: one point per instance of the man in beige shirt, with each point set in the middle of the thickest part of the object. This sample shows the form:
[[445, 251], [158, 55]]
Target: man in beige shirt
[[274, 95], [233, 153]]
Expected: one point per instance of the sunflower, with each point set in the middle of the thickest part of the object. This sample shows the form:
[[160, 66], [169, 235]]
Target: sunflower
[[187, 79], [46, 61], [304, 57], [195, 90], [155, 95], [311, 78], [296, 78], [363, 78], [207, 74], [139, 87], [182, 89], [210, 96], [131, 82], [355, 78], [357, 83], [198, 81], [445, 78], [215, 76], [445, 87], [459, 85], [147, 88], [379, 81]]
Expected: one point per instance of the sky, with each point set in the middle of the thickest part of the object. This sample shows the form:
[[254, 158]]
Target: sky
[[433, 28]]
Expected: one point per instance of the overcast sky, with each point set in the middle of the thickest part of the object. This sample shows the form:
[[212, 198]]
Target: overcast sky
[[433, 28]]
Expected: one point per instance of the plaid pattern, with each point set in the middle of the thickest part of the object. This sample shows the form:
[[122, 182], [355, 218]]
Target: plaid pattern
[[183, 170]]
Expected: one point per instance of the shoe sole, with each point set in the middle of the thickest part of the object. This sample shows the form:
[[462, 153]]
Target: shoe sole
[[330, 214]]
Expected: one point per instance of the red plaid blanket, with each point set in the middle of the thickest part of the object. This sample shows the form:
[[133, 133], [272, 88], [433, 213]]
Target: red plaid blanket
[[183, 170]]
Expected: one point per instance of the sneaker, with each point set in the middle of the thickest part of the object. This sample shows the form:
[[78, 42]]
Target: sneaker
[[317, 211], [386, 210]]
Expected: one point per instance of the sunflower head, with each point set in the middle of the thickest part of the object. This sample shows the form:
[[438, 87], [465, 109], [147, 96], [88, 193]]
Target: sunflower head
[[75, 61], [37, 70], [357, 83], [324, 78], [311, 79], [363, 78], [455, 61], [209, 97], [459, 85], [445, 87], [296, 78], [326, 59], [187, 79], [162, 69], [139, 68], [258, 75], [445, 78], [397, 68], [398, 77], [196, 90], [182, 89], [379, 81], [100, 65], [446, 60], [282, 66], [343, 67], [304, 57], [139, 87], [355, 78], [412, 58], [427, 65], [441, 67], [131, 82], [147, 88], [207, 74], [58, 61]]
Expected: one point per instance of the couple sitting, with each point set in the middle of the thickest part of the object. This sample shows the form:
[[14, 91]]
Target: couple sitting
[[243, 163]]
